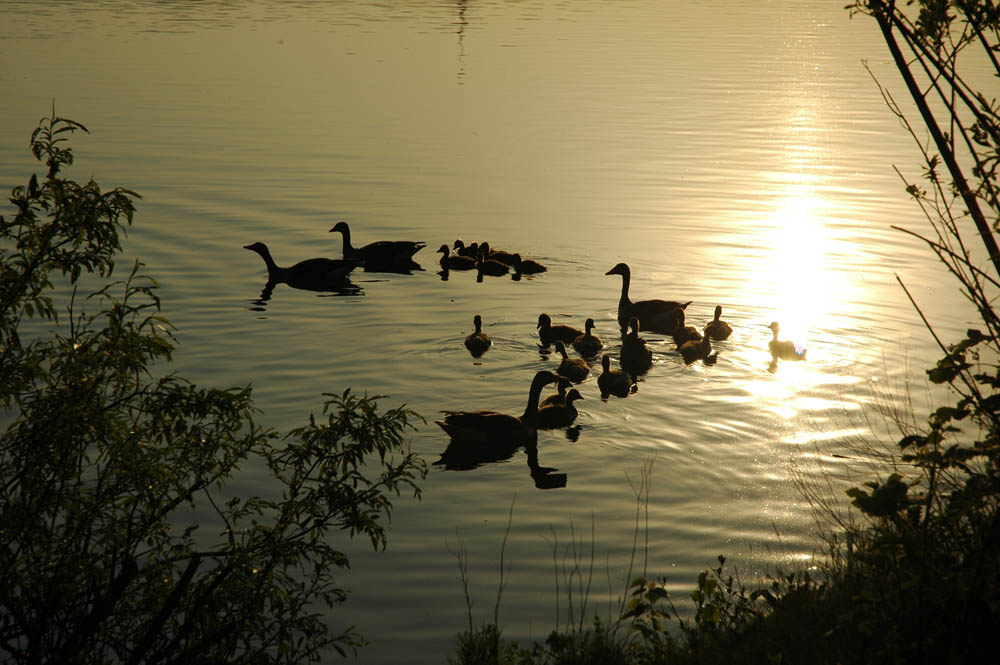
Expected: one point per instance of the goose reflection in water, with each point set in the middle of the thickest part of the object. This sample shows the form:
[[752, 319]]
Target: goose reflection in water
[[459, 458], [344, 288]]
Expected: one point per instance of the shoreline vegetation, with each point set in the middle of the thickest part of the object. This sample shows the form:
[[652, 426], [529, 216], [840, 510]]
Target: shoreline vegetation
[[912, 575]]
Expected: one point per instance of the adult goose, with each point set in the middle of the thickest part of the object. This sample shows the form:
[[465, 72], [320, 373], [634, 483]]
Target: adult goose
[[492, 428], [653, 315], [636, 357], [548, 333], [784, 349], [382, 253], [559, 415], [718, 329], [588, 344], [311, 274], [503, 257], [478, 342], [574, 369], [558, 397], [527, 266], [451, 261], [466, 250], [613, 381], [698, 349]]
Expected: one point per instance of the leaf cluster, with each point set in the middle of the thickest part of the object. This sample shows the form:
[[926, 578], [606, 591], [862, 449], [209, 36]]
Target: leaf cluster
[[104, 466]]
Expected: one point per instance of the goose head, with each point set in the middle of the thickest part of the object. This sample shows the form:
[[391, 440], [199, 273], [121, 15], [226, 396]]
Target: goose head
[[620, 269], [544, 320]]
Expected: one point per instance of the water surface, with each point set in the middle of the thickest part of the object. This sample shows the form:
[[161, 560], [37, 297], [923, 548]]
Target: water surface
[[734, 154]]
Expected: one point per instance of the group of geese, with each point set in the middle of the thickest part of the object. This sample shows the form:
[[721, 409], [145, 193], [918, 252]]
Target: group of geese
[[486, 261], [482, 435]]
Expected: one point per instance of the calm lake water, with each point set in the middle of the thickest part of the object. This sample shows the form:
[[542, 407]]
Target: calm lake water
[[733, 153]]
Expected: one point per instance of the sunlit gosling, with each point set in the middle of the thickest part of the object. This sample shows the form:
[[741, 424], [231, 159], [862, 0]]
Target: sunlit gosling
[[503, 257], [559, 415], [549, 333], [527, 266], [308, 274], [466, 250], [558, 397], [574, 369], [654, 315], [697, 349], [784, 349], [718, 329], [491, 428], [683, 333], [613, 381], [588, 344], [478, 342], [451, 261], [487, 266], [381, 252], [635, 356]]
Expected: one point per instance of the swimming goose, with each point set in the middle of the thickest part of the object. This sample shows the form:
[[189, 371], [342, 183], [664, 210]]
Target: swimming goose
[[548, 333], [784, 349], [478, 342], [491, 428], [559, 415], [574, 369], [503, 257], [488, 266], [558, 397], [698, 349], [682, 333], [588, 344], [636, 357], [466, 250], [718, 329], [653, 315], [612, 381], [384, 252], [451, 261], [311, 274], [527, 266]]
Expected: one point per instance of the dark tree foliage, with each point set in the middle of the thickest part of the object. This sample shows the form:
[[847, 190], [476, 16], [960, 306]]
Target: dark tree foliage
[[102, 465]]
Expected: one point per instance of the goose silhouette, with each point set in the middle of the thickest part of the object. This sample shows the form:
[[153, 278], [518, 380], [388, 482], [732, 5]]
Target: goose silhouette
[[311, 274], [384, 253], [494, 429], [653, 315]]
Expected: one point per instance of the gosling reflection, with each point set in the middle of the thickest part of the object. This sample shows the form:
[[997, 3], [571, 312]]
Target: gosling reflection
[[394, 256], [319, 274]]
